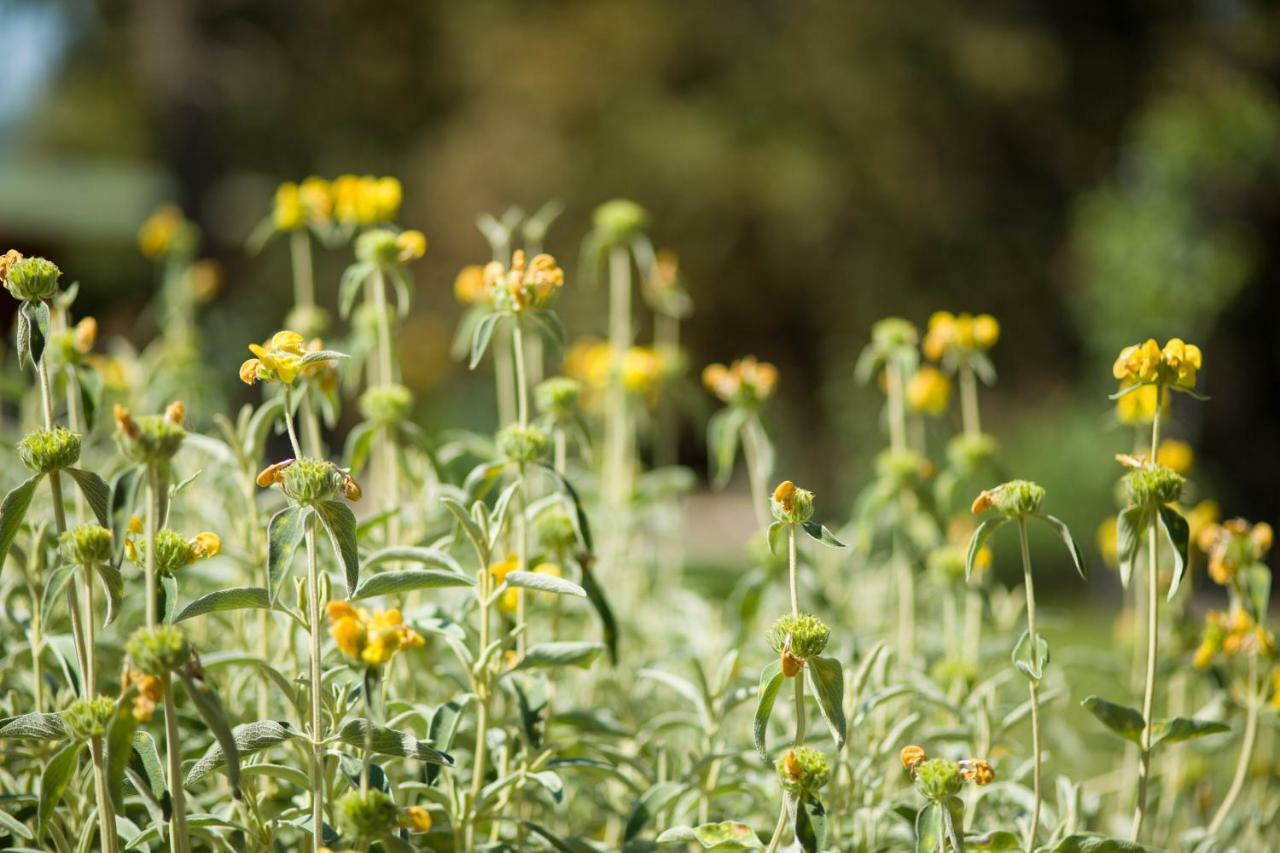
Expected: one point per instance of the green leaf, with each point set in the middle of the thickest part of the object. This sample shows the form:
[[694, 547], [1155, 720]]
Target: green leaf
[[1089, 842], [389, 583], [340, 523], [649, 804], [284, 534], [385, 741], [209, 706], [826, 677], [1077, 558], [1126, 722], [929, 831], [238, 598], [595, 594], [1131, 523], [771, 679], [113, 582], [979, 538], [255, 433], [1255, 584], [1179, 533], [480, 338], [36, 314], [996, 841], [545, 655], [321, 355], [55, 583], [349, 286], [545, 583], [12, 510], [726, 835], [723, 430], [97, 494], [1031, 667], [15, 827], [482, 478], [433, 557], [811, 824], [820, 533], [119, 747], [1177, 729], [953, 823], [469, 526], [358, 445], [580, 524], [54, 781], [776, 534], [249, 738], [34, 726]]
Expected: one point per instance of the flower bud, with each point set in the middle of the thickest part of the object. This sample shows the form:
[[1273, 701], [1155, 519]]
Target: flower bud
[[310, 481], [978, 771], [911, 756], [88, 718], [32, 278], [386, 404], [366, 816], [1014, 499], [966, 454], [938, 779], [378, 247], [47, 450], [558, 397], [946, 563], [1153, 485], [158, 651], [556, 531], [522, 444], [417, 820], [174, 553], [803, 771], [804, 636], [86, 544], [894, 333], [150, 438], [617, 220], [791, 505]]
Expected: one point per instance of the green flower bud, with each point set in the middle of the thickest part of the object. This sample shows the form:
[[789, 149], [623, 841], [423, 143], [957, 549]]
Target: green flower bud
[[378, 247], [894, 333], [803, 771], [85, 544], [89, 718], [367, 816], [158, 651], [46, 450], [310, 321], [938, 779], [32, 278], [172, 552], [523, 444], [1014, 499], [790, 504], [556, 531], [618, 219], [804, 636], [150, 439], [558, 397], [949, 670], [946, 563], [310, 481], [904, 469], [966, 454], [1153, 485], [386, 404]]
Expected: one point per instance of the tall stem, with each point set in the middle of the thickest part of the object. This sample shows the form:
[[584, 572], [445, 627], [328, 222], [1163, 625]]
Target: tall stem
[[753, 453], [897, 407], [386, 447], [303, 282], [616, 474], [178, 838], [792, 575], [106, 814], [1153, 642], [1246, 749], [288, 422], [317, 686], [969, 401], [522, 382], [482, 713], [1032, 685]]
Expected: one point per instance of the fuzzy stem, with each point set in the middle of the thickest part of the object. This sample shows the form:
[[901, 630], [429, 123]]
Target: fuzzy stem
[[1033, 686], [754, 440], [153, 510], [1153, 637], [779, 829], [969, 401], [303, 282], [386, 447], [897, 407], [522, 383], [615, 487], [317, 732], [482, 712], [522, 557], [792, 574], [1246, 749], [178, 838], [106, 814], [561, 451], [288, 422]]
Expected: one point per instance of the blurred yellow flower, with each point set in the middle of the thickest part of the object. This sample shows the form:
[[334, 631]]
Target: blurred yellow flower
[[929, 391], [1138, 407], [417, 819], [1175, 454], [161, 231], [469, 287], [1234, 545], [370, 638], [745, 382], [949, 332], [276, 361], [528, 283], [288, 213], [413, 245], [1108, 540]]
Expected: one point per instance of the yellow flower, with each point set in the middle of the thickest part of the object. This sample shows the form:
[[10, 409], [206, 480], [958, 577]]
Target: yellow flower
[[288, 214], [1147, 363], [499, 571], [317, 199], [83, 335], [1138, 363], [1183, 361], [1232, 546], [960, 333], [413, 245], [385, 197], [135, 524], [1138, 407], [1175, 454], [929, 391], [345, 191], [911, 756], [588, 362], [469, 287], [510, 600], [207, 544], [370, 638], [277, 361], [1108, 539], [745, 382], [978, 771], [160, 231], [641, 370], [525, 284], [417, 819]]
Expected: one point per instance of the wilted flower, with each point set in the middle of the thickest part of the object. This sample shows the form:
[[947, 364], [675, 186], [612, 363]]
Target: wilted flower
[[150, 438], [309, 481], [417, 819], [978, 771], [370, 638], [150, 692], [911, 756], [746, 382]]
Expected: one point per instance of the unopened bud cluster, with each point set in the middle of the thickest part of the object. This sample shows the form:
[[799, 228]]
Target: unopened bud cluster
[[939, 779], [88, 718], [32, 278], [803, 771], [86, 544], [802, 637], [791, 504], [309, 481], [1014, 499], [150, 439], [558, 397], [158, 651], [47, 450], [368, 815], [1152, 485], [386, 404], [523, 443]]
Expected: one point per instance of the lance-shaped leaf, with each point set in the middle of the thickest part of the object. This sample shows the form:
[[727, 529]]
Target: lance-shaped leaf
[[1090, 842], [1124, 721], [811, 824], [54, 781], [54, 583], [1177, 729], [34, 726], [820, 533], [386, 741], [284, 534], [430, 557], [1255, 583], [723, 430], [725, 835], [209, 706], [595, 594], [545, 583], [1029, 663], [979, 539], [97, 494], [1179, 533], [113, 583], [545, 655], [1131, 523], [36, 316], [649, 804], [996, 841], [1077, 559], [389, 583], [775, 536], [929, 828], [826, 677], [481, 336], [469, 527], [771, 679], [340, 523], [580, 524], [239, 598], [12, 510], [349, 285], [249, 738], [119, 746]]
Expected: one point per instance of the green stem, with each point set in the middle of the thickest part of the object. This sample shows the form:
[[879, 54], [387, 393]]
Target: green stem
[[522, 557], [1033, 686], [178, 838], [317, 685], [522, 384], [969, 401], [386, 447], [616, 476], [1153, 637], [106, 814], [1246, 749], [303, 282], [482, 713], [288, 422], [779, 829], [792, 573], [754, 440], [897, 407]]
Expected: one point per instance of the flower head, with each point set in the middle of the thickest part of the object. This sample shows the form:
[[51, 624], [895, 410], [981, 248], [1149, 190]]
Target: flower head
[[803, 770], [1176, 364], [309, 481], [618, 219], [89, 718], [928, 391], [47, 450], [801, 637], [955, 334], [791, 504], [367, 815], [558, 397], [469, 286], [1014, 499], [165, 232], [158, 651], [150, 438], [278, 360], [1138, 407], [526, 284], [1149, 484], [1234, 545], [173, 551], [31, 278], [746, 382], [370, 638], [523, 443], [86, 544]]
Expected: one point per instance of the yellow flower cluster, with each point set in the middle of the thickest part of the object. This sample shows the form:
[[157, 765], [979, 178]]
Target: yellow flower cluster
[[1233, 545], [150, 692], [928, 391], [745, 382], [163, 231], [525, 284], [280, 360], [1147, 364], [370, 638], [349, 200], [643, 367], [1231, 634], [959, 333], [469, 286], [297, 205]]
